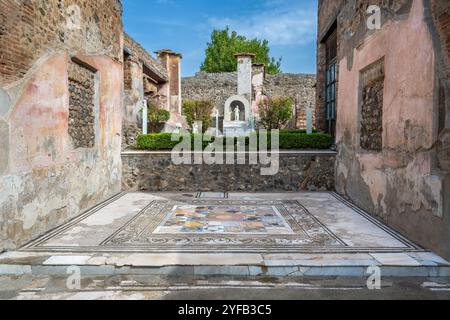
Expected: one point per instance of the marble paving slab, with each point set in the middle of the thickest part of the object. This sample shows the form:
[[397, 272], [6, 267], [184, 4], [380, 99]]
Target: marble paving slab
[[259, 223]]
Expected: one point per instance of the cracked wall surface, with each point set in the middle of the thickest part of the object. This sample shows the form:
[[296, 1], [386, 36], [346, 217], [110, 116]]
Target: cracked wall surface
[[406, 181], [44, 180]]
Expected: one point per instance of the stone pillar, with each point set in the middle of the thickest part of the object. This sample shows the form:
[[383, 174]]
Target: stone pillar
[[258, 77], [244, 71], [172, 62], [144, 117], [309, 124]]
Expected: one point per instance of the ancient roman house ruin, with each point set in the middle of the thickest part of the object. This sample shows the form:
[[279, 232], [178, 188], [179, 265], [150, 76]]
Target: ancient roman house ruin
[[84, 183]]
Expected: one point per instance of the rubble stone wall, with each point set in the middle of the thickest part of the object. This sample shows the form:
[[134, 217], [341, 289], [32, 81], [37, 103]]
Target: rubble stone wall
[[299, 171], [218, 87], [82, 92]]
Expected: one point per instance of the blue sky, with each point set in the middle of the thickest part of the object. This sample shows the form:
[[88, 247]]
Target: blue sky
[[185, 26]]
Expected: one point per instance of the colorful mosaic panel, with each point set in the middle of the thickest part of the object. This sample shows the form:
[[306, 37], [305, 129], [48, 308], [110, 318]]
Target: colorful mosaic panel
[[224, 219], [223, 225]]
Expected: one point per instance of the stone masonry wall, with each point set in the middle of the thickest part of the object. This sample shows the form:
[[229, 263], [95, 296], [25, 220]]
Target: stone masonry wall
[[372, 116], [147, 171], [30, 28], [372, 79], [406, 182], [45, 180], [82, 92], [218, 87], [299, 87]]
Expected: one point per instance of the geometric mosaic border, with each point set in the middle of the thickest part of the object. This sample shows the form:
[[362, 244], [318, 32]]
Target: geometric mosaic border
[[323, 240], [139, 232]]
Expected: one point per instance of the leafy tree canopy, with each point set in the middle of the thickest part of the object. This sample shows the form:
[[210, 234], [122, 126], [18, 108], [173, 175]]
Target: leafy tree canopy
[[225, 44]]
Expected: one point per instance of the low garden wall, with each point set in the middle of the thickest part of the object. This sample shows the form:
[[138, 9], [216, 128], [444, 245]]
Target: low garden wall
[[298, 171]]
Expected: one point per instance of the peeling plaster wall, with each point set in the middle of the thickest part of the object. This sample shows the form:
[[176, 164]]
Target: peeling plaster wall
[[403, 184], [48, 181], [44, 180], [134, 93]]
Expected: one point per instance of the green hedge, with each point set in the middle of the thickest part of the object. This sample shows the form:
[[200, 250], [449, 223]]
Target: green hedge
[[305, 141], [289, 140], [161, 141], [295, 131]]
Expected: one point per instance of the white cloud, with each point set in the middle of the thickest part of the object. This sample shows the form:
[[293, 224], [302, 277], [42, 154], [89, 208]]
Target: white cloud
[[280, 22]]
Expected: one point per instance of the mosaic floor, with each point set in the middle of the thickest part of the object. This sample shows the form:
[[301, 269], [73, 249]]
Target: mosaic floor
[[229, 219], [217, 222], [223, 225]]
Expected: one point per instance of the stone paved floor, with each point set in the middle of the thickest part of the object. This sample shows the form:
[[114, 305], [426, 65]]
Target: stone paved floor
[[220, 288], [192, 238], [236, 222]]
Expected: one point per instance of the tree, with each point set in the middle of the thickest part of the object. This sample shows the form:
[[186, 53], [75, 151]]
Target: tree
[[224, 45], [275, 112], [198, 110]]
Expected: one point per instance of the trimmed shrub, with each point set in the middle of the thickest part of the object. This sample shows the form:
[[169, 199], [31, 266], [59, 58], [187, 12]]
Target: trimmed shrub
[[288, 141], [296, 131], [163, 141], [305, 141]]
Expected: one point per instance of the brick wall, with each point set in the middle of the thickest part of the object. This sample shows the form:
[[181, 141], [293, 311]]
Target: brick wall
[[174, 64], [29, 28]]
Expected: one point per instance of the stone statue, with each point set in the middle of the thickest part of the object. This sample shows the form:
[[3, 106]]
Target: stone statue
[[195, 128], [237, 114], [178, 128]]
